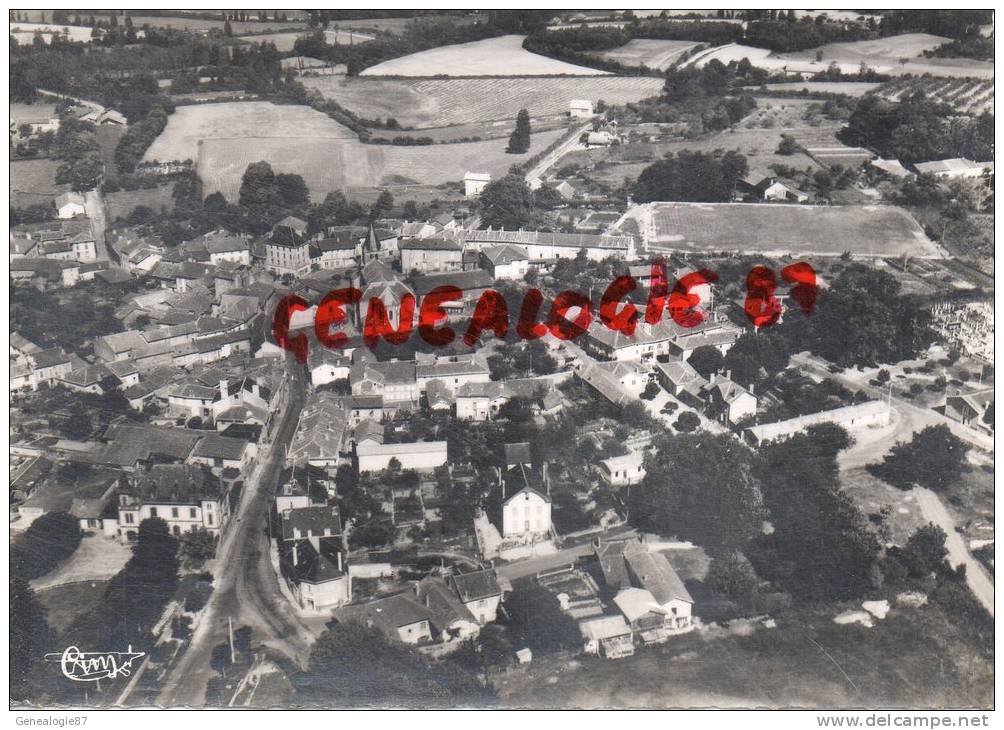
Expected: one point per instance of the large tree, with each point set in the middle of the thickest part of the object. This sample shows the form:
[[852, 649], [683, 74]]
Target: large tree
[[507, 203], [700, 487], [30, 638], [821, 547], [935, 458], [691, 176], [49, 540], [519, 141]]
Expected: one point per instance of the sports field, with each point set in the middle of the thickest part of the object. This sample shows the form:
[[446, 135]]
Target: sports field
[[426, 103], [346, 164], [780, 229], [657, 54], [502, 56]]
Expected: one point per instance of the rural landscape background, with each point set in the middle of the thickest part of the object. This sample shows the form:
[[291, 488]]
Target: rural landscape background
[[788, 504]]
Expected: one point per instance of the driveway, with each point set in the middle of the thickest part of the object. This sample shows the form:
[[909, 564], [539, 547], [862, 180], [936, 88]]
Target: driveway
[[977, 577]]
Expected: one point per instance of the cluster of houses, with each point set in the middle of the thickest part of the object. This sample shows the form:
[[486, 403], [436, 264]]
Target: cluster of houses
[[58, 253]]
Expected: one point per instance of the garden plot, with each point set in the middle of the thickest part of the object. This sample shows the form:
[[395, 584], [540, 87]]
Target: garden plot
[[502, 56], [969, 96]]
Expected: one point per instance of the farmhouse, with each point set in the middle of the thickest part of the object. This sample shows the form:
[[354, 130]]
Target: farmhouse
[[861, 415], [400, 618], [580, 109], [475, 182], [479, 592]]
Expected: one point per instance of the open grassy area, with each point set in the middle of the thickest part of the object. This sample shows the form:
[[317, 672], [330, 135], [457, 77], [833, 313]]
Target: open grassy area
[[446, 102], [122, 203], [779, 229], [33, 182], [502, 56], [657, 54], [915, 657], [345, 164], [65, 602]]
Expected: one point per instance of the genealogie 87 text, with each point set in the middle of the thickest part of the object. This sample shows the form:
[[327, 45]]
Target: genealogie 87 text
[[491, 313]]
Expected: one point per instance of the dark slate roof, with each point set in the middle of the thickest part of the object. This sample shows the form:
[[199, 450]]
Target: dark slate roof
[[463, 280], [311, 521], [477, 585]]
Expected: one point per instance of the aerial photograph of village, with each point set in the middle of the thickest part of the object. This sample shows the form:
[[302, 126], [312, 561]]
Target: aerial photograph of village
[[501, 359]]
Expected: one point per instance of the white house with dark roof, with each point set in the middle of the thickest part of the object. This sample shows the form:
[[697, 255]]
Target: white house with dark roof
[[479, 592], [505, 261], [728, 401], [312, 556], [430, 255], [526, 513]]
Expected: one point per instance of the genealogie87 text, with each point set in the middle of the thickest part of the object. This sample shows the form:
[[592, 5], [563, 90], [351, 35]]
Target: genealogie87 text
[[491, 313]]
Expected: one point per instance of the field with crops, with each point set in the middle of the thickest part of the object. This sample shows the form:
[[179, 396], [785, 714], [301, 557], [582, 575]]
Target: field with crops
[[347, 164], [446, 102], [657, 54], [897, 55], [244, 121], [847, 88], [970, 96], [779, 229], [502, 56]]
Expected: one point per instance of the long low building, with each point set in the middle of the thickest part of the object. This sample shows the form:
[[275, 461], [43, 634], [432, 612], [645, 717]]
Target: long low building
[[418, 455], [544, 246], [872, 413]]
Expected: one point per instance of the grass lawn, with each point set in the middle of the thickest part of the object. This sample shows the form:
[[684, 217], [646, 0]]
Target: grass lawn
[[915, 657], [64, 603], [33, 182], [122, 203], [871, 495]]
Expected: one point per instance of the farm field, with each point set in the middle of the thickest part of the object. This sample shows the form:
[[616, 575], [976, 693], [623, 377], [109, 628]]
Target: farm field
[[896, 55], [446, 102], [25, 32], [347, 163], [780, 229], [33, 182], [657, 54], [502, 56], [241, 121], [970, 96]]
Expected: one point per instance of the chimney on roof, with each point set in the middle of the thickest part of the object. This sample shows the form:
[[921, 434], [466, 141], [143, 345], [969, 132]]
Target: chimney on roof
[[223, 389], [728, 375], [294, 555], [339, 561]]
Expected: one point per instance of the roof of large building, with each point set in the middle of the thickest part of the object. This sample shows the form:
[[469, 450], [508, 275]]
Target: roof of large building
[[429, 244], [215, 446], [463, 280], [446, 608], [176, 484], [129, 443], [505, 254], [542, 238], [387, 614]]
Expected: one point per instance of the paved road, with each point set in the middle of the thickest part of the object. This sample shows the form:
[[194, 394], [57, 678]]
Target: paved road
[[246, 587], [958, 554]]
